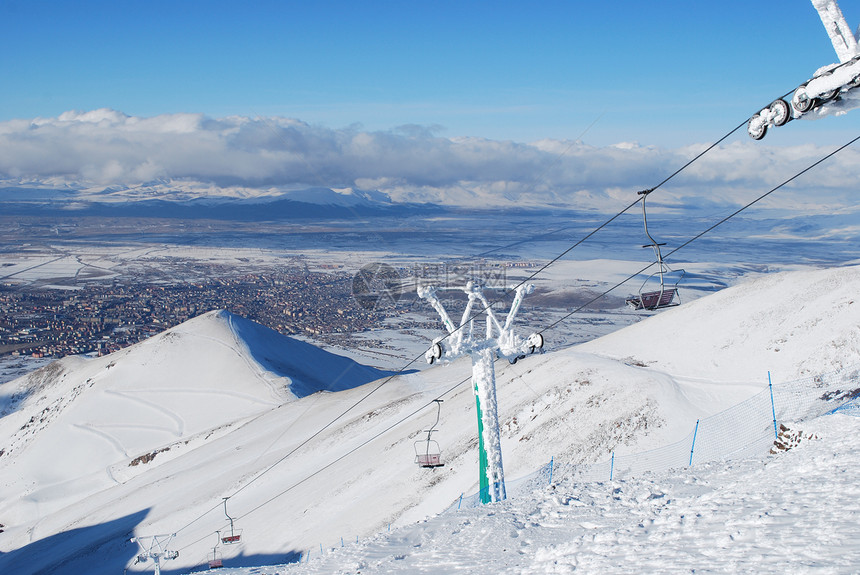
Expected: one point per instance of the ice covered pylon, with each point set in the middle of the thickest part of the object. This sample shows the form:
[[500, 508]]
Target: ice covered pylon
[[831, 90], [498, 341], [155, 547]]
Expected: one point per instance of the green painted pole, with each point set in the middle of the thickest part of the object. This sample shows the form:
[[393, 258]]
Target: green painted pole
[[483, 481]]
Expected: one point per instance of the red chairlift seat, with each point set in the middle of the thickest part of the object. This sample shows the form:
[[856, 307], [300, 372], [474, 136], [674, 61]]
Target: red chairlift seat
[[665, 296], [235, 534], [216, 560], [430, 460], [654, 299], [431, 455]]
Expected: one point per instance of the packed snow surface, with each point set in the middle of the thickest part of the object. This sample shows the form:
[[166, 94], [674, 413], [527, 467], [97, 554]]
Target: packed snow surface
[[304, 470], [792, 512]]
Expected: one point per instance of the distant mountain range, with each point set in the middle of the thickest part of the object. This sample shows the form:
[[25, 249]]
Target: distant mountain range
[[168, 199]]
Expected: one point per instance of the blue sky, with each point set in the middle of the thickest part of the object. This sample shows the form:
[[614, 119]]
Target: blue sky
[[458, 103], [660, 73]]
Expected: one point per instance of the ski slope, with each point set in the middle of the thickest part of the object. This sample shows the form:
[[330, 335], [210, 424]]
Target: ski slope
[[303, 469], [84, 425], [794, 512]]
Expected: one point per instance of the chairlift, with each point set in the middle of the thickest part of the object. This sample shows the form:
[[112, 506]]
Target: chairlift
[[216, 560], [235, 534], [427, 452], [665, 296]]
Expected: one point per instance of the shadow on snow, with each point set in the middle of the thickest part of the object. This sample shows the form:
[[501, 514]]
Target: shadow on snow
[[102, 548]]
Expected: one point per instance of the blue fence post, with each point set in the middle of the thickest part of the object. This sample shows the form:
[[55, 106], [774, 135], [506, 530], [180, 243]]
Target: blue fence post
[[551, 459], [611, 466], [772, 407], [692, 447], [341, 541], [459, 503], [321, 549]]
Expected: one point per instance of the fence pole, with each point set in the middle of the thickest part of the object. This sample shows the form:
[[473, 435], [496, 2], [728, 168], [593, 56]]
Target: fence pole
[[611, 466], [551, 459], [772, 408], [341, 541], [695, 433], [321, 548], [459, 503]]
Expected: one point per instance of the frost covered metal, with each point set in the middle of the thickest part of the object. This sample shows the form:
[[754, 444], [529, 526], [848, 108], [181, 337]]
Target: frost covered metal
[[498, 341], [155, 547], [830, 90]]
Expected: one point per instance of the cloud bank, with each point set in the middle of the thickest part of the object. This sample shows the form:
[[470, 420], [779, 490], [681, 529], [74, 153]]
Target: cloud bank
[[258, 156]]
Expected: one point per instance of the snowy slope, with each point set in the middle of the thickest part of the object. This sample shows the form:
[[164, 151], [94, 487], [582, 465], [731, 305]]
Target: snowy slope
[[81, 422], [793, 324], [793, 512], [312, 470]]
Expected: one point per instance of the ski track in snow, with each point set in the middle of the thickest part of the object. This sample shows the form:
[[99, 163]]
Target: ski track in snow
[[157, 407], [110, 439]]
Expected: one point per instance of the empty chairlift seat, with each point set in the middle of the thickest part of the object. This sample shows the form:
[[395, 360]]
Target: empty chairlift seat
[[427, 452], [654, 299]]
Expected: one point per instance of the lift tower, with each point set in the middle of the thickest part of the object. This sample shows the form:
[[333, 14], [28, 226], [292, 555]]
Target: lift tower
[[155, 547], [498, 341]]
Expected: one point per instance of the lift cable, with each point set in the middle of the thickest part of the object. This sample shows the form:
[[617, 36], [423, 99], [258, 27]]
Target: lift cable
[[551, 326], [304, 442], [699, 235], [336, 460], [478, 313], [675, 173]]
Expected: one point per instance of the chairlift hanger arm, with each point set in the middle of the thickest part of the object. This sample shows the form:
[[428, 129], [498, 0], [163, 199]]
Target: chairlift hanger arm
[[654, 242], [438, 403], [475, 291], [522, 291], [429, 293]]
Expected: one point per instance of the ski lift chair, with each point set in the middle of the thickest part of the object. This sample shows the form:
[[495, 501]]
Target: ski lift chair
[[235, 535], [427, 451], [665, 296], [216, 560]]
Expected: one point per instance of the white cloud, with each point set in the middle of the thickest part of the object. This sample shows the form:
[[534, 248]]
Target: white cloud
[[410, 163]]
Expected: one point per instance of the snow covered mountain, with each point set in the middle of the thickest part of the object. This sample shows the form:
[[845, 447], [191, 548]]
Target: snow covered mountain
[[82, 425], [176, 191], [192, 200], [303, 468]]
